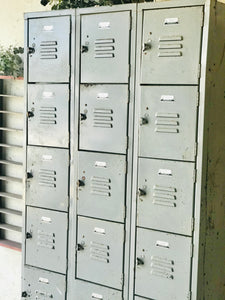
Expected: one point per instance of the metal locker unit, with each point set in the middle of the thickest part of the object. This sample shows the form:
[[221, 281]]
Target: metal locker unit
[[101, 192], [100, 213], [165, 199], [100, 248], [46, 239], [47, 182], [40, 284], [105, 41], [176, 202], [103, 118], [49, 49], [168, 118], [48, 115], [87, 290], [163, 265], [49, 77]]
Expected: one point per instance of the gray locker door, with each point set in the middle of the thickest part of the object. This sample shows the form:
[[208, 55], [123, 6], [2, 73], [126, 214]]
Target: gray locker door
[[100, 252], [47, 182], [103, 118], [48, 115], [49, 49], [168, 122], [166, 192], [171, 46], [102, 190], [39, 284], [163, 265], [105, 47], [46, 242], [89, 291]]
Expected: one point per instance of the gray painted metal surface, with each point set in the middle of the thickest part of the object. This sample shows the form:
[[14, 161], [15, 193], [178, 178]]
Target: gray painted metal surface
[[171, 46], [47, 183], [105, 42], [48, 115], [166, 197], [86, 290], [168, 118], [101, 193], [163, 265], [100, 252], [40, 284], [103, 118], [49, 49], [175, 220], [46, 239]]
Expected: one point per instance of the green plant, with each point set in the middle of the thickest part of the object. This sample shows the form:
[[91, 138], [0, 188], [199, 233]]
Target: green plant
[[11, 63], [65, 4]]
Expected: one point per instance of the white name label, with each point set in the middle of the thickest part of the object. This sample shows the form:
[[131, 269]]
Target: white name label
[[104, 25], [48, 28]]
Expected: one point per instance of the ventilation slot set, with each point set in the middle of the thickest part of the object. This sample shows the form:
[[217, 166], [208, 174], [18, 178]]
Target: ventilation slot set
[[103, 118], [47, 115], [162, 267], [48, 50], [170, 46], [165, 196], [47, 178], [99, 252], [100, 186], [104, 48], [167, 122]]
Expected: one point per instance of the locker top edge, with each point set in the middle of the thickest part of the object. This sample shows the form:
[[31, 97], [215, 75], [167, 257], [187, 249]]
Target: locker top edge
[[51, 13], [106, 9], [172, 4]]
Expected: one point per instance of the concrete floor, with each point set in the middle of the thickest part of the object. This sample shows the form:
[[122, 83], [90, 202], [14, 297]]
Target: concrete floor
[[10, 274]]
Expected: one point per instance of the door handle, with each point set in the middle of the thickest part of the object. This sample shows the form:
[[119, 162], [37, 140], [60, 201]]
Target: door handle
[[28, 235], [141, 192], [80, 247], [31, 50], [147, 45], [83, 117], [30, 114], [81, 183], [84, 49], [29, 175], [140, 261], [143, 121]]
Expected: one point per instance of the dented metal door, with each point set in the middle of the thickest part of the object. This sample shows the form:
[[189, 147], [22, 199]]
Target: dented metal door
[[40, 284], [46, 239], [165, 196], [48, 53], [47, 180], [101, 191], [103, 118], [163, 265], [171, 45], [105, 47], [100, 252], [168, 122], [86, 291], [48, 115]]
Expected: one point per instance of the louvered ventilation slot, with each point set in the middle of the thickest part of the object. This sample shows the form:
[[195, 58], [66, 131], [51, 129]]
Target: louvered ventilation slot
[[170, 46], [103, 118], [104, 48], [99, 252], [165, 196], [167, 122], [46, 240], [162, 267], [47, 115], [100, 186], [47, 178], [48, 50]]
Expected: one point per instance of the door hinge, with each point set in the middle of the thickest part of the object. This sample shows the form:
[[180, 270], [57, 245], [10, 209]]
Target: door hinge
[[189, 296], [191, 250], [124, 214], [199, 70], [129, 71], [198, 99], [127, 141], [195, 149], [194, 175], [202, 18], [192, 224]]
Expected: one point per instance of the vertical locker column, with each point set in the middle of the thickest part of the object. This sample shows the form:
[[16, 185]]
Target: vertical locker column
[[48, 154], [167, 106], [102, 155]]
